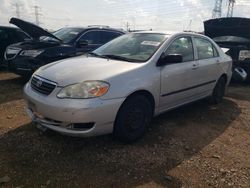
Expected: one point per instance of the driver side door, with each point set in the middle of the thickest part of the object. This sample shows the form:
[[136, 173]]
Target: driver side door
[[178, 79], [88, 42]]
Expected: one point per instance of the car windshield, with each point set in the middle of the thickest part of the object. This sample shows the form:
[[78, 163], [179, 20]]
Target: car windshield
[[133, 47], [66, 35]]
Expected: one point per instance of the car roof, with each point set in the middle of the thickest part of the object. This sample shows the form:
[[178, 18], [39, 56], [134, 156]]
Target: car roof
[[171, 33], [92, 27]]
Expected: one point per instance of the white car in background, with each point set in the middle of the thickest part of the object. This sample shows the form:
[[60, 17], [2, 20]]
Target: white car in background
[[119, 87]]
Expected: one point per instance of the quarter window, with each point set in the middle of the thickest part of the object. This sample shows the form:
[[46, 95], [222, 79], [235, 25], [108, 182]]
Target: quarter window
[[205, 49], [182, 46]]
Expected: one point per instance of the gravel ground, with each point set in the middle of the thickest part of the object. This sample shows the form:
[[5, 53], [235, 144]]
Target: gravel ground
[[198, 145]]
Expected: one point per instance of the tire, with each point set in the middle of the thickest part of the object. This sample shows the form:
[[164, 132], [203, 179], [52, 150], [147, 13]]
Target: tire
[[219, 91], [132, 119]]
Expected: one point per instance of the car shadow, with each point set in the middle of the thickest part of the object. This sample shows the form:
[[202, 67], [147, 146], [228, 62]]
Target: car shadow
[[11, 87], [239, 91], [32, 158]]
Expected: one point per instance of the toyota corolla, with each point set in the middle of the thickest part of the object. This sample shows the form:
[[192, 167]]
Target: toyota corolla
[[119, 87]]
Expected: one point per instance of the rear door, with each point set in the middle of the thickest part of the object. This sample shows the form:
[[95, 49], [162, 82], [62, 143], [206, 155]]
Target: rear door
[[209, 64], [178, 80]]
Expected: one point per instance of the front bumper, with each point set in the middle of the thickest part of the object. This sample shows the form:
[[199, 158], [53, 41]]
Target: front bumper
[[24, 65], [59, 114]]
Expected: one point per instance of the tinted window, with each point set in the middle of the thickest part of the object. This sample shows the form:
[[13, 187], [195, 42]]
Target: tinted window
[[93, 37], [182, 46], [205, 48], [107, 36]]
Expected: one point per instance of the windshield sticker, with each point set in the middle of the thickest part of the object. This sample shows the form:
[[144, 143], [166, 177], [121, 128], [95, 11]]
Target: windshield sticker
[[73, 33], [150, 43]]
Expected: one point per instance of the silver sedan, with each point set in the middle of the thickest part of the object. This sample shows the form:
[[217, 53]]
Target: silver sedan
[[119, 87]]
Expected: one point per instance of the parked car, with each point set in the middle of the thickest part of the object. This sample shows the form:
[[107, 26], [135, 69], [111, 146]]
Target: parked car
[[25, 57], [120, 86], [233, 34], [10, 35]]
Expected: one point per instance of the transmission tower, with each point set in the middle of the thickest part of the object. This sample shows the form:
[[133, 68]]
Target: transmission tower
[[230, 8], [37, 14], [217, 9], [17, 7]]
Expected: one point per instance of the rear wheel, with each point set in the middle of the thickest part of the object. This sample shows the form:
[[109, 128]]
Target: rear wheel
[[219, 91], [132, 119]]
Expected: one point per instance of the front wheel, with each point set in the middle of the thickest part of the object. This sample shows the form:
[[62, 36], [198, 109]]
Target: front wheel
[[132, 119], [219, 91]]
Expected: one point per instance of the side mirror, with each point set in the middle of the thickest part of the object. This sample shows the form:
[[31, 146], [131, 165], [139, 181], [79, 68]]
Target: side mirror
[[169, 59], [82, 43]]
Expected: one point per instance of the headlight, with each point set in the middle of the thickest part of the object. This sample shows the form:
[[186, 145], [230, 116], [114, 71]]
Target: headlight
[[84, 90], [31, 53]]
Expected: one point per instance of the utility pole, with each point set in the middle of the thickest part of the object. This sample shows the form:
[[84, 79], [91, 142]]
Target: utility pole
[[17, 7], [190, 25], [127, 26], [217, 9], [230, 8], [37, 14]]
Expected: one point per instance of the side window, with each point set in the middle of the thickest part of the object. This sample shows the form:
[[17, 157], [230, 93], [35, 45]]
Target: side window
[[216, 54], [93, 37], [205, 48], [182, 46], [107, 36]]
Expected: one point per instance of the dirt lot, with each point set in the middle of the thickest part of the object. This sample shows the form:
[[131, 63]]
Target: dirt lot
[[195, 146]]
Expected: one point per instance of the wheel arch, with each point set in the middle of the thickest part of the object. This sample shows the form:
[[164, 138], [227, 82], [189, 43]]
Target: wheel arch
[[146, 94], [224, 75]]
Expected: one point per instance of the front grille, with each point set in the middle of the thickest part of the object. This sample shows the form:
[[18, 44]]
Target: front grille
[[42, 86]]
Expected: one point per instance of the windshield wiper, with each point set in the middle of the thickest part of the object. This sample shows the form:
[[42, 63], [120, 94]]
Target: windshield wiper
[[96, 55], [117, 57]]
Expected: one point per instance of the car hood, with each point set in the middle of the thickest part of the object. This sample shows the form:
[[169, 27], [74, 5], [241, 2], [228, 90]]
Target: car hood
[[34, 45], [228, 31], [31, 29], [78, 69]]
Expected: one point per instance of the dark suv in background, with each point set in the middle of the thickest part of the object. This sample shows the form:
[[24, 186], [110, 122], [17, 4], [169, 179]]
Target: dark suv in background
[[25, 57], [10, 35]]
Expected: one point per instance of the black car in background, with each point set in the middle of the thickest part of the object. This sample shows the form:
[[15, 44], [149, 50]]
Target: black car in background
[[25, 57], [10, 35], [233, 35]]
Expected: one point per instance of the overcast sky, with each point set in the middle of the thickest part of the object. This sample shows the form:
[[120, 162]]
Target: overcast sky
[[172, 15]]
